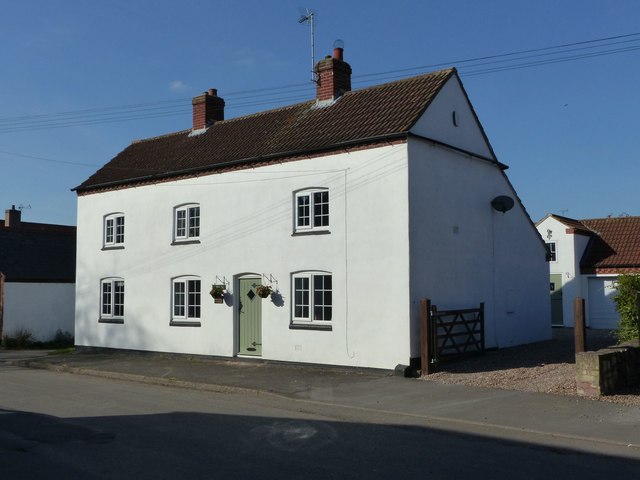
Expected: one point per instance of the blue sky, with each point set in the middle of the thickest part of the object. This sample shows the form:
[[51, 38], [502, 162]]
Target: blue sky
[[115, 71]]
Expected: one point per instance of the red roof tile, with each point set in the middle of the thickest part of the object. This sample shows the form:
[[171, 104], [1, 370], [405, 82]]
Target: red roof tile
[[357, 117], [615, 243]]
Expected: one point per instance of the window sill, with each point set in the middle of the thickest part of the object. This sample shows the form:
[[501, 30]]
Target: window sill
[[310, 232], [310, 326], [183, 323], [185, 242], [113, 247], [119, 321]]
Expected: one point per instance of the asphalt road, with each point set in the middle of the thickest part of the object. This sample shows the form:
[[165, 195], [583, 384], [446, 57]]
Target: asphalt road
[[56, 425]]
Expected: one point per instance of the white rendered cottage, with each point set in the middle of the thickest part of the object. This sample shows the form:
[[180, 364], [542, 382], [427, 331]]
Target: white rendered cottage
[[585, 259], [351, 207]]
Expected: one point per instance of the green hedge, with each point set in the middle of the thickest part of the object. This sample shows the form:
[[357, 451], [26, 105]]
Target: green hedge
[[627, 306]]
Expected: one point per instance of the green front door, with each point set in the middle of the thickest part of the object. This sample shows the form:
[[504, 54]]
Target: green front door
[[556, 299], [250, 317]]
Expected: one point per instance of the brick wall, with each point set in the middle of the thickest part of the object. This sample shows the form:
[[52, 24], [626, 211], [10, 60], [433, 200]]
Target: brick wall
[[608, 370]]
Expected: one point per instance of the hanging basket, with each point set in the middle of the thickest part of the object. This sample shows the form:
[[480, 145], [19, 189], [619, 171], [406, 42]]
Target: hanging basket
[[263, 291], [217, 292]]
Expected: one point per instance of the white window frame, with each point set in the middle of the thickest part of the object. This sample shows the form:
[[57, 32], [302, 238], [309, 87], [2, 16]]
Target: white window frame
[[186, 222], [113, 230], [552, 251], [305, 309], [112, 298], [308, 219], [190, 307]]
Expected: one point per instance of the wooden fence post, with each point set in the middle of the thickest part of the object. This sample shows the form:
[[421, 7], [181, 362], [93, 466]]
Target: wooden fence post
[[482, 326], [425, 336], [579, 330], [1, 304]]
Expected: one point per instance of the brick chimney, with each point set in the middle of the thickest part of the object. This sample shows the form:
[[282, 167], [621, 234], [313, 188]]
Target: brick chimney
[[333, 76], [12, 218], [208, 108]]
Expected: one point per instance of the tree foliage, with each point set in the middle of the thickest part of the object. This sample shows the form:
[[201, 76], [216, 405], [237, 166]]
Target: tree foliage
[[627, 306]]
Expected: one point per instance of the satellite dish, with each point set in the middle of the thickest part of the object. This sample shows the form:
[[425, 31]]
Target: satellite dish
[[502, 203]]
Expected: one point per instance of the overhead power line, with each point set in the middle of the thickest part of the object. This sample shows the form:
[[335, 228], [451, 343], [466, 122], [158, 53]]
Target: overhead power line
[[284, 94]]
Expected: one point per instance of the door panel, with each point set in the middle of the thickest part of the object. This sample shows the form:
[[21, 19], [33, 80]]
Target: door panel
[[556, 299], [249, 317], [602, 308]]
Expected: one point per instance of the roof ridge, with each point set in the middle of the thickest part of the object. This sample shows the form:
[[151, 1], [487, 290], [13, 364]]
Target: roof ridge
[[448, 71], [266, 112], [157, 137], [628, 217], [565, 218]]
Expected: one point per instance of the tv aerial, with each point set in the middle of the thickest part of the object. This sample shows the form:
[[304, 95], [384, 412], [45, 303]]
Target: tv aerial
[[308, 17]]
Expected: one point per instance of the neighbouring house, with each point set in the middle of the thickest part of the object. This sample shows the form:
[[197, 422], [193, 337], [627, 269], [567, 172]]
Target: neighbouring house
[[351, 207], [37, 277], [585, 259]]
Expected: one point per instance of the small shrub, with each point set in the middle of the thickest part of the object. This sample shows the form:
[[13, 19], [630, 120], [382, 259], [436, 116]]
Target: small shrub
[[21, 338], [626, 304], [61, 340]]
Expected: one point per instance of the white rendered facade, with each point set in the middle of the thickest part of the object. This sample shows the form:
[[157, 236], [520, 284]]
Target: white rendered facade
[[408, 220]]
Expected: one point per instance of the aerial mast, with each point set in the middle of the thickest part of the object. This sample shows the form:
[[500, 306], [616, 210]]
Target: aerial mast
[[304, 19]]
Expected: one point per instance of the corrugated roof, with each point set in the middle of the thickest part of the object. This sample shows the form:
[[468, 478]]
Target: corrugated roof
[[357, 117]]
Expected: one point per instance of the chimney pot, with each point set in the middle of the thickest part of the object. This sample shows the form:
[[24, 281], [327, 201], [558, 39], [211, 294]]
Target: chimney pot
[[208, 108], [12, 217], [333, 76]]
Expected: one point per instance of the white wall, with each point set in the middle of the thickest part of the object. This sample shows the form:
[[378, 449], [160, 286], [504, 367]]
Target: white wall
[[437, 121], [40, 308], [463, 252], [569, 250], [600, 309], [246, 227]]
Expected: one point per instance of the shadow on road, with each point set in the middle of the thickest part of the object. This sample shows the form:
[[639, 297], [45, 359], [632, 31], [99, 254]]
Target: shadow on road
[[211, 446]]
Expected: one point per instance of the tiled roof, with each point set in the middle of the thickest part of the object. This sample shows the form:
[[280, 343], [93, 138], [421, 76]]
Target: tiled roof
[[615, 243], [36, 252], [357, 117], [571, 223]]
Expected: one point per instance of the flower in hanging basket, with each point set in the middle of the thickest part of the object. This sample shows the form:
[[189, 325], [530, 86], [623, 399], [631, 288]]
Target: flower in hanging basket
[[263, 291], [217, 292]]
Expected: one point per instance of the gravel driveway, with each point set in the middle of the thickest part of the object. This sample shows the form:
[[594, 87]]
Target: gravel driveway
[[547, 367]]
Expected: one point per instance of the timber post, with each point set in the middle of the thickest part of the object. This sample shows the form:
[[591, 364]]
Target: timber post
[[1, 304], [579, 329], [425, 336]]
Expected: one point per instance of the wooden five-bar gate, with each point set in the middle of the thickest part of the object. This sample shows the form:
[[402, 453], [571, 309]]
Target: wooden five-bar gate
[[449, 333]]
